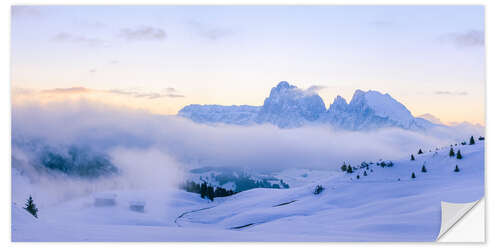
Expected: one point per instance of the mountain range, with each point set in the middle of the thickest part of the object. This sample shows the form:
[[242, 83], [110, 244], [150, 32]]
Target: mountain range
[[289, 107]]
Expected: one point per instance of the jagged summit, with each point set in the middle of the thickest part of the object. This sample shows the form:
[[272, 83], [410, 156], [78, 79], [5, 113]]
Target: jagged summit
[[370, 109], [339, 103], [284, 85], [288, 106]]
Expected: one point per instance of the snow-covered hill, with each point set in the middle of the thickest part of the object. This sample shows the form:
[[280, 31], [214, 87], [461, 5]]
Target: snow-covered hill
[[288, 106], [386, 204]]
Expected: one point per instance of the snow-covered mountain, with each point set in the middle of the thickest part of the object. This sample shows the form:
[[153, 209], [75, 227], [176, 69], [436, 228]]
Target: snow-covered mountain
[[288, 106], [372, 109], [239, 115]]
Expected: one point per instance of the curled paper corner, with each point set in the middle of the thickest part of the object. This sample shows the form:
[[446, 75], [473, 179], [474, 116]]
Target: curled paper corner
[[451, 213]]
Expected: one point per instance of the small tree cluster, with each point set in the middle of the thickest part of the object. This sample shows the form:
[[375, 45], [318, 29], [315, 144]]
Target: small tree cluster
[[386, 164], [318, 189], [207, 191], [31, 207], [285, 185], [349, 169]]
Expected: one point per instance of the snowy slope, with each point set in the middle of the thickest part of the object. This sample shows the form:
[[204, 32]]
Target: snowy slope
[[385, 205]]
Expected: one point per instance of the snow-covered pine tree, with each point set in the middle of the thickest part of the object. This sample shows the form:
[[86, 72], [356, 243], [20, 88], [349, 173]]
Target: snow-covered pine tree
[[349, 169], [412, 157], [424, 170], [459, 155], [343, 167], [413, 175], [471, 141], [456, 169], [31, 207], [420, 151], [452, 153]]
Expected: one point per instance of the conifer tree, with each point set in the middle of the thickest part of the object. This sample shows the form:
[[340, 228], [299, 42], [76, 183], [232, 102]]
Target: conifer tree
[[424, 170], [349, 169], [456, 169], [412, 157], [203, 190], [459, 155], [471, 141], [344, 167], [452, 153], [210, 193], [413, 175], [318, 189], [420, 151], [31, 207], [365, 174], [357, 177]]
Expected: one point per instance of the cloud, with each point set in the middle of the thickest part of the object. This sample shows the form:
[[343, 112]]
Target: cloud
[[316, 88], [143, 33], [382, 23], [72, 90], [212, 33], [79, 39], [168, 92], [89, 24], [165, 93], [25, 11], [152, 151], [261, 147], [451, 93], [471, 38], [431, 118]]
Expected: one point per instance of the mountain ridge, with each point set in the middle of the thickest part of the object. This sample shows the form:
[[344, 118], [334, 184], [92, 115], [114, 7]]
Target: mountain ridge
[[288, 106]]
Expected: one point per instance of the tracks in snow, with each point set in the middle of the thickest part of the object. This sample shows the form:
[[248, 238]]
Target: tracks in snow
[[233, 228], [188, 212]]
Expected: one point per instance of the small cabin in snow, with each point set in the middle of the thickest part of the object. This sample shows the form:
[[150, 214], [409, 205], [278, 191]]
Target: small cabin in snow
[[137, 206], [105, 200]]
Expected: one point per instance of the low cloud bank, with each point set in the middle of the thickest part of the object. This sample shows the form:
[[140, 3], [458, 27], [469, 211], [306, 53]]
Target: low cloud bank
[[152, 151]]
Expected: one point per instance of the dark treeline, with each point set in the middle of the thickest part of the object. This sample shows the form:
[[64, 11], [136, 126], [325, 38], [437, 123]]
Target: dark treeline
[[207, 191]]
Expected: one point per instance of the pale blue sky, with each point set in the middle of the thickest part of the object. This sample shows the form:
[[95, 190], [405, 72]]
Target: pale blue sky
[[431, 58]]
